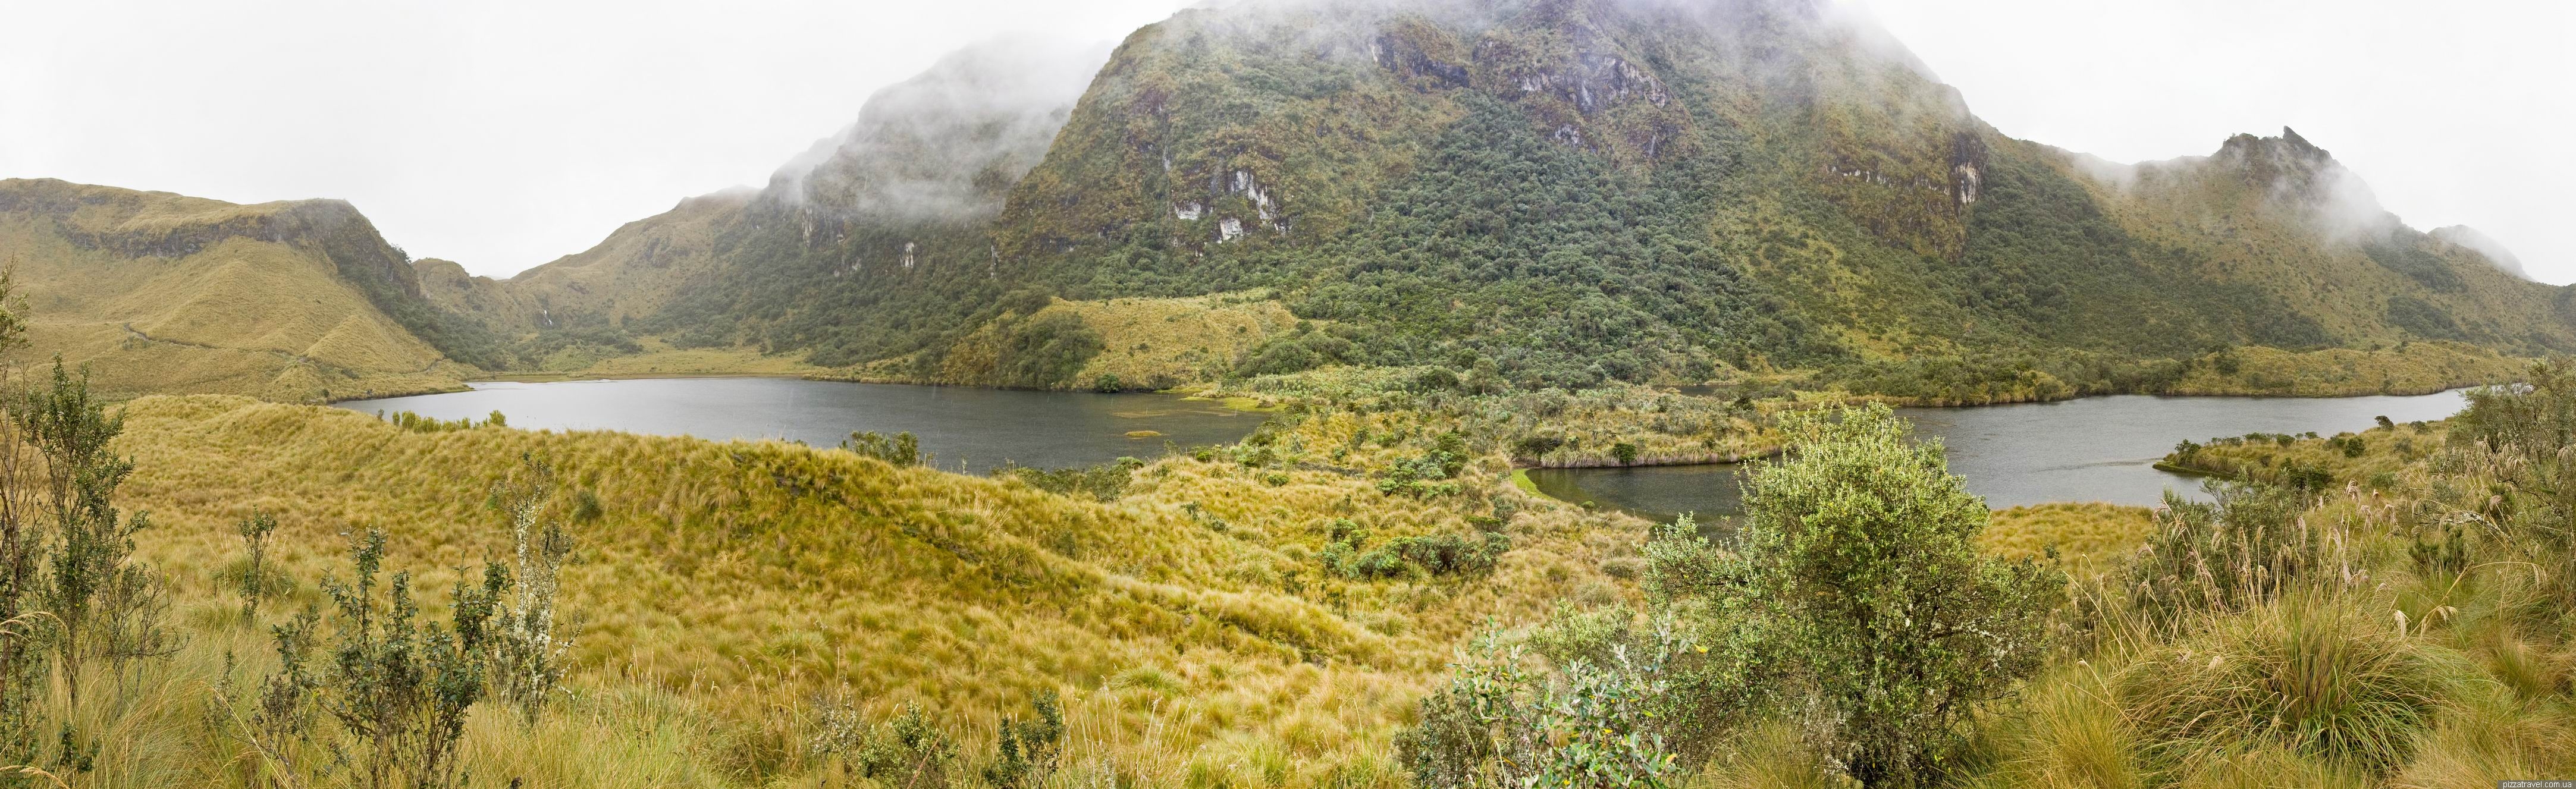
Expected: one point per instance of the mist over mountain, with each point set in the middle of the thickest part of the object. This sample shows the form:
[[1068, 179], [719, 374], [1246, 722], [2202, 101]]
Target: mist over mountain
[[1555, 192], [2486, 246], [946, 145]]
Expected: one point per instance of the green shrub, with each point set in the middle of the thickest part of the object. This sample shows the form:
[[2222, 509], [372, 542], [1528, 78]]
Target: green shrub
[[422, 424], [1026, 752], [1046, 351], [909, 751], [1592, 725], [1537, 446], [900, 449], [1104, 482], [399, 692], [1856, 553]]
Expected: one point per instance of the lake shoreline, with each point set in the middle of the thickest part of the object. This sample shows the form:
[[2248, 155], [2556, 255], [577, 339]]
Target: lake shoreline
[[1707, 459], [2107, 449], [982, 428]]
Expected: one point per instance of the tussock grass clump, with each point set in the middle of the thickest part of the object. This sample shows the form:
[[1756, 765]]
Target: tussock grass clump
[[2495, 735], [2317, 674], [2067, 732], [1774, 754]]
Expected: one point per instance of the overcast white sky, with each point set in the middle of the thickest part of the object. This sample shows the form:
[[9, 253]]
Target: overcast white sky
[[504, 134]]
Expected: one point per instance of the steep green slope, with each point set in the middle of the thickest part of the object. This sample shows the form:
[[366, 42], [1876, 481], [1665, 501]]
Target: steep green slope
[[1560, 192], [870, 246], [292, 301], [1586, 190]]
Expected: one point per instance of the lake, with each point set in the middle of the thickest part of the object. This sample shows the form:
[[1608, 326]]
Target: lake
[[2092, 449], [979, 429]]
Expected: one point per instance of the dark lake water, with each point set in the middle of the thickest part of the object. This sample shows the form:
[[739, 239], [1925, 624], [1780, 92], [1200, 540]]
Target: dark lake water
[[2093, 449], [978, 428]]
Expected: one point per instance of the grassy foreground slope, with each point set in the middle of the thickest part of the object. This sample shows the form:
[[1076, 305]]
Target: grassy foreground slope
[[1193, 623], [160, 292], [2393, 614]]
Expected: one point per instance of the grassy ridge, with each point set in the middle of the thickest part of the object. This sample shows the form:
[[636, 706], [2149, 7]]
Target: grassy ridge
[[161, 293]]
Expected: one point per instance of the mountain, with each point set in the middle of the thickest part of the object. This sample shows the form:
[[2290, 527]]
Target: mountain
[[1534, 192], [292, 300], [1570, 191], [863, 247]]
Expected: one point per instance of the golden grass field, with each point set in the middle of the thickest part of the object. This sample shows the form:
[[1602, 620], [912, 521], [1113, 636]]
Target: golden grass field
[[724, 589], [726, 585], [2090, 537]]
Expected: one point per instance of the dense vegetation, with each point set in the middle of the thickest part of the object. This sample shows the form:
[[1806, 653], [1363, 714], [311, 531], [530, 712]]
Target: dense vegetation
[[1570, 195], [1538, 260]]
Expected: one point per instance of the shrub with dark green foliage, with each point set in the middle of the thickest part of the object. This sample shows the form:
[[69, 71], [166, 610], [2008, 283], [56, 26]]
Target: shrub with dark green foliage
[[1536, 446], [1451, 554], [423, 424], [254, 532], [100, 600], [1346, 553], [1430, 474], [1104, 482], [1854, 580], [528, 657], [1045, 351], [1305, 349], [909, 751], [900, 449], [399, 692], [1587, 726], [1026, 752]]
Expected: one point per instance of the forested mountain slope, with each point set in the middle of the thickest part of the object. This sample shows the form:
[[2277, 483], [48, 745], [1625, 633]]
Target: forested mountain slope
[[1532, 192], [1571, 191], [157, 292]]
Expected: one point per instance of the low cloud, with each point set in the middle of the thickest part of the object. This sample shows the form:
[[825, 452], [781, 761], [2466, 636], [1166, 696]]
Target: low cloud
[[2485, 245], [946, 144]]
